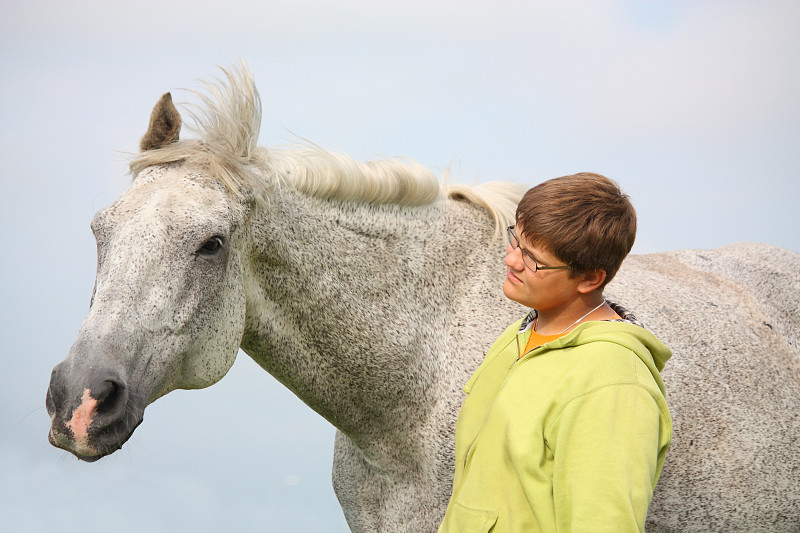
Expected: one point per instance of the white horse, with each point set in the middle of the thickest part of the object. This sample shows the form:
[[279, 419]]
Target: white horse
[[372, 292]]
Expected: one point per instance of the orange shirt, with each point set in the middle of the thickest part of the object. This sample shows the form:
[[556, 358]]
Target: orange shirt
[[537, 340]]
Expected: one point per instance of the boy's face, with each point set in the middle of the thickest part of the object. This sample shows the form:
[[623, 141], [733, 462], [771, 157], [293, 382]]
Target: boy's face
[[542, 289]]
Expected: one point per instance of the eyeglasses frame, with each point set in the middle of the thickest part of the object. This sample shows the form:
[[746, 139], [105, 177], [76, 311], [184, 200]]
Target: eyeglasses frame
[[512, 238]]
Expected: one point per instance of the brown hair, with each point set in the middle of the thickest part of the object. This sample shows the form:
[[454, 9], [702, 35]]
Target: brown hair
[[583, 219]]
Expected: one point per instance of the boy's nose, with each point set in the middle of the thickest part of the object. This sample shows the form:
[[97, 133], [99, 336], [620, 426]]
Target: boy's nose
[[514, 258]]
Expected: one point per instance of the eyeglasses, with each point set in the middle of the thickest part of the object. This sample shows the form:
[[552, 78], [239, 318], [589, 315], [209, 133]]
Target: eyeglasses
[[529, 261]]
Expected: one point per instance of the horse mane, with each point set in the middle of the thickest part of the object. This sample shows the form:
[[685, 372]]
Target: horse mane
[[227, 123]]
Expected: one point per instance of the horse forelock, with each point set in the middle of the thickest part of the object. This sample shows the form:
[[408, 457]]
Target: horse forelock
[[227, 123]]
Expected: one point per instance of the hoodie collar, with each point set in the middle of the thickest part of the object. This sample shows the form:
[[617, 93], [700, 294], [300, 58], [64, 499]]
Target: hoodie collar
[[626, 316]]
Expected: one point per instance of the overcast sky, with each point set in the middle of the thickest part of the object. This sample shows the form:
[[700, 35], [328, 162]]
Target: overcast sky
[[692, 106]]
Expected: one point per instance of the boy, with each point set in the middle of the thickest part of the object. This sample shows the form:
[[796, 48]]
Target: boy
[[565, 425]]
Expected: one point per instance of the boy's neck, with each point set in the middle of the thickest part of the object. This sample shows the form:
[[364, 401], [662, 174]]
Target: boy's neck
[[562, 319]]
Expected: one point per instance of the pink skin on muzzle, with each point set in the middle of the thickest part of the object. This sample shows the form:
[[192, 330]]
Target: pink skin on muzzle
[[80, 421]]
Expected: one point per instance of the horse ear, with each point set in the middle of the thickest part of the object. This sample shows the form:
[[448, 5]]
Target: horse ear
[[165, 125]]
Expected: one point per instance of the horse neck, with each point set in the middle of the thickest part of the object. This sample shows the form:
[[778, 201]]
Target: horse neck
[[349, 305]]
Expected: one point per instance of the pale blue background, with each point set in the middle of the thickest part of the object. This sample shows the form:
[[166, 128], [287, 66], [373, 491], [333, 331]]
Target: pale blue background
[[691, 106]]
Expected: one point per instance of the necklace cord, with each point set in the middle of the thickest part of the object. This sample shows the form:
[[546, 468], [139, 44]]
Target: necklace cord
[[581, 318]]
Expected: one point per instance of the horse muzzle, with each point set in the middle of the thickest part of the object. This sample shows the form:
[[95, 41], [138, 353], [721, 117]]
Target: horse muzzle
[[92, 413]]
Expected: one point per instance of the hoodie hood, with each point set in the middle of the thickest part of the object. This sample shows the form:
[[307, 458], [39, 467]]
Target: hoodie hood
[[627, 332]]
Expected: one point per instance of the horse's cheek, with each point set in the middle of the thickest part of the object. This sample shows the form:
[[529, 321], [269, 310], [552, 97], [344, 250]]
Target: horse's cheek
[[221, 323]]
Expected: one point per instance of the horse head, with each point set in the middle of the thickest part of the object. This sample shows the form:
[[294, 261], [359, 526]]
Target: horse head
[[168, 309]]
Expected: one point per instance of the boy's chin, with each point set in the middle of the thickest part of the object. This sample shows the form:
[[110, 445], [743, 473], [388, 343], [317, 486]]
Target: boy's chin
[[514, 293]]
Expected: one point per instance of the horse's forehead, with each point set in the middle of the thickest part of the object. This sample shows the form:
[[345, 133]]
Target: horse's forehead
[[178, 186], [171, 193]]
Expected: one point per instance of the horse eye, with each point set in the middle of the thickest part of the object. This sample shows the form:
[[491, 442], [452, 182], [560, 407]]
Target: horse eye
[[211, 246]]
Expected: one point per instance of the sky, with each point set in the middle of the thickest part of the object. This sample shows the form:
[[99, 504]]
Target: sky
[[692, 107]]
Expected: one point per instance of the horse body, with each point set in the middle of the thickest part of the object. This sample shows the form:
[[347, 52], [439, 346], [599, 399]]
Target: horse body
[[731, 316], [373, 297]]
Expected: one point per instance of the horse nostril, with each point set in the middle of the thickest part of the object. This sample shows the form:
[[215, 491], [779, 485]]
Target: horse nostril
[[54, 388], [49, 403], [105, 392], [111, 399]]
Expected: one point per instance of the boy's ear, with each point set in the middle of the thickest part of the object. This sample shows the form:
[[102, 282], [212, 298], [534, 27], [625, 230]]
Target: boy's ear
[[591, 281]]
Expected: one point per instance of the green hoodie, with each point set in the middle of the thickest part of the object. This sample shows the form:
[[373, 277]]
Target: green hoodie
[[569, 438]]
